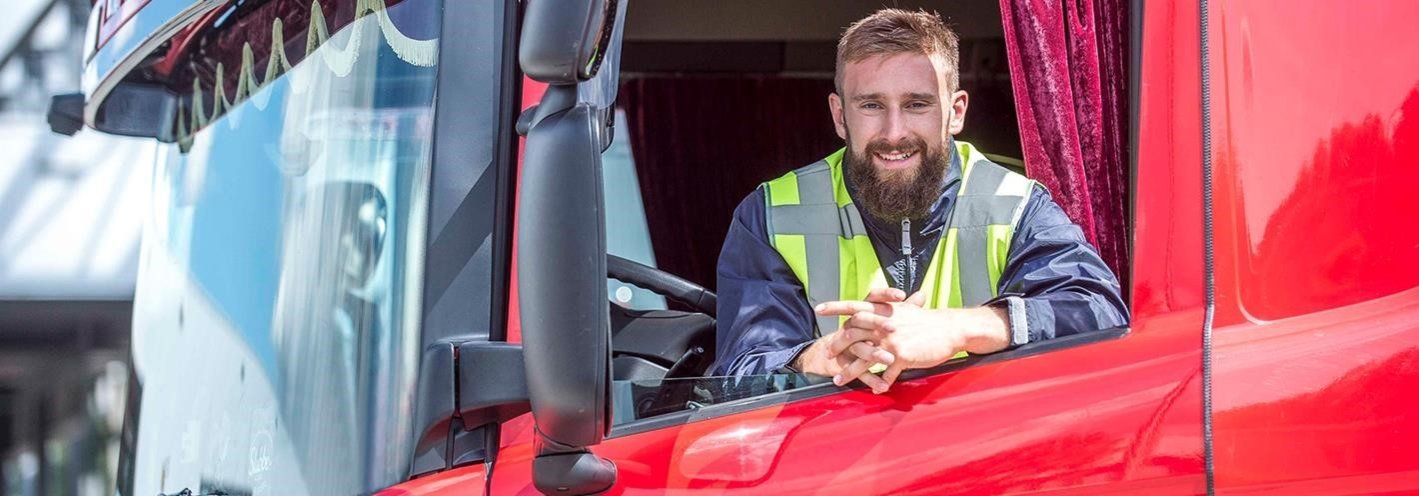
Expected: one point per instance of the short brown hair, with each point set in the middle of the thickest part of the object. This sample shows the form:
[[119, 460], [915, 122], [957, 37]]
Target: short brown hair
[[893, 31]]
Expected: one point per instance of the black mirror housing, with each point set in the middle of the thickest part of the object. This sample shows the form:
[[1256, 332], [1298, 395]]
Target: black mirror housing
[[562, 275], [66, 113], [565, 41], [562, 293], [130, 109]]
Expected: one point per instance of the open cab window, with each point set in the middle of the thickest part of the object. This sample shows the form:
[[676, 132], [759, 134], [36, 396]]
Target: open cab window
[[715, 105]]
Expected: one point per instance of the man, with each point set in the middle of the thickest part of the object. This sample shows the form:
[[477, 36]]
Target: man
[[817, 266]]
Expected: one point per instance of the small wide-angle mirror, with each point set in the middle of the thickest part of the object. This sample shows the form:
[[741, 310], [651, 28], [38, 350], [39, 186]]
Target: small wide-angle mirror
[[565, 41], [130, 109]]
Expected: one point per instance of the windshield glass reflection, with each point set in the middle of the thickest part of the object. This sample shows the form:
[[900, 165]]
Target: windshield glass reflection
[[277, 309]]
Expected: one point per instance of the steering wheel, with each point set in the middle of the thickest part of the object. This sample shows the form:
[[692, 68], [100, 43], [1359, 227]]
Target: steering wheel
[[681, 341], [662, 283]]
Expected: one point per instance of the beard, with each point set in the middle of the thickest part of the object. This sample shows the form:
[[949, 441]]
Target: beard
[[897, 194]]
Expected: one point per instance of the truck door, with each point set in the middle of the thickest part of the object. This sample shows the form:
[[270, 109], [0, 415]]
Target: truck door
[[1317, 129]]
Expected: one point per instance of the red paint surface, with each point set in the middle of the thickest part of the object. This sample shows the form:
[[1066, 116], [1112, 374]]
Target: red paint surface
[[1314, 119], [1316, 125]]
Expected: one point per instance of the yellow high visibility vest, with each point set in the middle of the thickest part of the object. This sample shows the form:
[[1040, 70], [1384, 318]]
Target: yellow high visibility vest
[[814, 225]]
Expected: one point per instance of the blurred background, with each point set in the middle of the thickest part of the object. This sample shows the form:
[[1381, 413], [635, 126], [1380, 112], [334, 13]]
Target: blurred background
[[70, 212]]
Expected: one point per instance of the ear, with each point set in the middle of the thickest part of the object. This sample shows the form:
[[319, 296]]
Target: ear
[[835, 106], [957, 121]]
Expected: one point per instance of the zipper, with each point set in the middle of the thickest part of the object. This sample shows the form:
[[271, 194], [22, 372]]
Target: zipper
[[907, 252]]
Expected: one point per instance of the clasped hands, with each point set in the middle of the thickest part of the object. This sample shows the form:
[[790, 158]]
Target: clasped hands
[[898, 332]]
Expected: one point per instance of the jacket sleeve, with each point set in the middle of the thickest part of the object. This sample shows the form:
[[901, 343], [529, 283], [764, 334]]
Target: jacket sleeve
[[764, 320], [1066, 288]]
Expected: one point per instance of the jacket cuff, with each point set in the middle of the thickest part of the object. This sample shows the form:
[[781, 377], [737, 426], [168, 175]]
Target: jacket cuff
[[1018, 318], [781, 362]]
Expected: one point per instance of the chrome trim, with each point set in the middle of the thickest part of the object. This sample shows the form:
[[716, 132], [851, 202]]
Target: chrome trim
[[144, 32]]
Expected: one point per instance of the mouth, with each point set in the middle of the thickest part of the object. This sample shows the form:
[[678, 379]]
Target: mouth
[[894, 160]]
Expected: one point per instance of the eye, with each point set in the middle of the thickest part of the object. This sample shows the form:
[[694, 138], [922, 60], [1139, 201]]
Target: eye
[[918, 105], [870, 106]]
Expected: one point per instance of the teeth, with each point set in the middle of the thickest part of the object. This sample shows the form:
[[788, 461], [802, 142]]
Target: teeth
[[895, 156]]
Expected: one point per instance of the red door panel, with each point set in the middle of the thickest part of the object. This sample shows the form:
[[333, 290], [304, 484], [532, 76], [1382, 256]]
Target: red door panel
[[1316, 125], [1123, 411]]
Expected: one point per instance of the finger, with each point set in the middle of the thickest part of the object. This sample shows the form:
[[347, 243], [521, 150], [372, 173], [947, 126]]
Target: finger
[[878, 385], [857, 368], [893, 372], [871, 353], [885, 295], [845, 337], [869, 321], [849, 307], [861, 367], [918, 298], [841, 362]]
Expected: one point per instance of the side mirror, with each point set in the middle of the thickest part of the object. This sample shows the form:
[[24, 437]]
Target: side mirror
[[574, 46], [565, 41], [66, 113], [130, 109], [562, 294]]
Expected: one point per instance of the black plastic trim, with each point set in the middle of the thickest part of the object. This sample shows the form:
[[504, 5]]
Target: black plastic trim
[[573, 473], [434, 409], [505, 160], [492, 387], [827, 388], [472, 168]]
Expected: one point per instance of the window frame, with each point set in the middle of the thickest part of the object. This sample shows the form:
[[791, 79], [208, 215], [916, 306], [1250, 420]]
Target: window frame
[[1134, 77]]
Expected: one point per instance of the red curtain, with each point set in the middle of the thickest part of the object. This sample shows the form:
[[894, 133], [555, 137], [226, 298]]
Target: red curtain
[[1067, 68], [702, 143]]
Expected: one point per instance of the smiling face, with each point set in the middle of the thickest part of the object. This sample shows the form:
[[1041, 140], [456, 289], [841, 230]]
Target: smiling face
[[897, 111]]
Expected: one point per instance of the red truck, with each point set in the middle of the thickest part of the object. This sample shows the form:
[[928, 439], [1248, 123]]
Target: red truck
[[376, 262]]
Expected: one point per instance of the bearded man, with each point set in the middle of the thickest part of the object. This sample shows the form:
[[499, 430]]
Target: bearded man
[[816, 269]]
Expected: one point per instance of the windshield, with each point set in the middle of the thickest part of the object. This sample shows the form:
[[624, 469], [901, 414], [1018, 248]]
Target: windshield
[[276, 318]]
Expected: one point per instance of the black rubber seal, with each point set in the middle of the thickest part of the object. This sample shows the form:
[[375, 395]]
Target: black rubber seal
[[1208, 270]]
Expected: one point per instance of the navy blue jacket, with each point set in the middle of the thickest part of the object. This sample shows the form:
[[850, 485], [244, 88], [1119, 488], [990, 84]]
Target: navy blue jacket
[[1054, 282]]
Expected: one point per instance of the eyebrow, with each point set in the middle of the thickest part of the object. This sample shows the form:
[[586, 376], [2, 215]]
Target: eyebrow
[[910, 96]]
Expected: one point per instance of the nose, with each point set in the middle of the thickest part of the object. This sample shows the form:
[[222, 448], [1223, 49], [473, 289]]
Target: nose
[[894, 130]]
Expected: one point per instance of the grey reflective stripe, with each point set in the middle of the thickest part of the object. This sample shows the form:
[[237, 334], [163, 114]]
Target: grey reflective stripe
[[974, 273], [811, 219], [976, 206], [985, 177], [822, 254], [769, 213], [984, 210], [975, 210], [815, 184], [803, 219], [851, 222], [818, 219]]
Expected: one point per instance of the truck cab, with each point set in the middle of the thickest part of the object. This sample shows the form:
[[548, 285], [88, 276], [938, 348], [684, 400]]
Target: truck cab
[[390, 250]]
